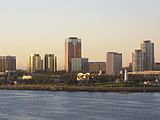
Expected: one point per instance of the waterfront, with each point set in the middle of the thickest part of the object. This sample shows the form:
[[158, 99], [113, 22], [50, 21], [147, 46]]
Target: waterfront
[[49, 105], [78, 88]]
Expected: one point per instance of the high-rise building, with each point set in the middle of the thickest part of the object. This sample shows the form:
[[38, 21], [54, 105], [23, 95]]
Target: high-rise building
[[7, 63], [138, 61], [50, 63], [147, 48], [96, 67], [114, 63], [35, 63], [72, 50]]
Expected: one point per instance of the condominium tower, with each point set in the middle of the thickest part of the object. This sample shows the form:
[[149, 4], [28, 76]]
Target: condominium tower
[[50, 63], [72, 50], [35, 63], [137, 61], [7, 63], [147, 48], [143, 59], [114, 63]]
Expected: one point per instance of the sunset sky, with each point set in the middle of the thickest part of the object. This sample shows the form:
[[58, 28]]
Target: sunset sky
[[41, 26]]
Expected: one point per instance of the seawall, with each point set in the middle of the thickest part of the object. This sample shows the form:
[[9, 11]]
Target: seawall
[[79, 88]]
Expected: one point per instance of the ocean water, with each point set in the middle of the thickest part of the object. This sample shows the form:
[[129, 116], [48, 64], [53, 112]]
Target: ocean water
[[48, 105]]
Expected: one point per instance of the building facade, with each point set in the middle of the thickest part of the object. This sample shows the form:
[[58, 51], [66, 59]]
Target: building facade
[[114, 63], [76, 64], [143, 59], [79, 65], [85, 65], [72, 50], [50, 63], [96, 67], [157, 66], [147, 48], [138, 61], [35, 63], [7, 63]]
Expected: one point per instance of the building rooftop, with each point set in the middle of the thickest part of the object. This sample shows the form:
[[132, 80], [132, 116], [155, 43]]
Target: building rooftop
[[115, 53], [72, 37]]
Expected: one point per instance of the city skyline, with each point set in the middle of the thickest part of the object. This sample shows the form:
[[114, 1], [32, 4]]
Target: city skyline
[[108, 25]]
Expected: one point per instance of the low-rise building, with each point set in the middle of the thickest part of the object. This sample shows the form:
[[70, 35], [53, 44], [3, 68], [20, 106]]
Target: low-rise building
[[79, 65], [157, 66], [96, 67]]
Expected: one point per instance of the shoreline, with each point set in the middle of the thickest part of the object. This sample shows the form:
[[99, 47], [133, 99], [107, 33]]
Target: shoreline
[[79, 88]]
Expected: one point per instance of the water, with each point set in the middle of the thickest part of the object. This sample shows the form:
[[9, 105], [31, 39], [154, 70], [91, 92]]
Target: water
[[43, 105]]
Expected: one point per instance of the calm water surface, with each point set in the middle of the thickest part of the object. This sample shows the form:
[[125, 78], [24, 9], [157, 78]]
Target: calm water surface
[[43, 105]]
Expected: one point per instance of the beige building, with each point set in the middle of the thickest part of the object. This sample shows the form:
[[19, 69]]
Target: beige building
[[35, 63], [114, 63], [96, 67]]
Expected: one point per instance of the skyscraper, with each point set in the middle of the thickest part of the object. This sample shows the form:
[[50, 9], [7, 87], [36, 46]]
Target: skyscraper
[[35, 63], [50, 63], [147, 48], [72, 50], [114, 63], [7, 63], [138, 61]]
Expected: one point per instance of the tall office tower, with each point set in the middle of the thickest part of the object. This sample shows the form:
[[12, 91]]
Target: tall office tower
[[7, 63], [148, 48], [137, 61], [114, 63], [35, 63], [50, 63], [72, 50]]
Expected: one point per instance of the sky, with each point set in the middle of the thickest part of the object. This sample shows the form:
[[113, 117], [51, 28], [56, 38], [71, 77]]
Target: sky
[[41, 26]]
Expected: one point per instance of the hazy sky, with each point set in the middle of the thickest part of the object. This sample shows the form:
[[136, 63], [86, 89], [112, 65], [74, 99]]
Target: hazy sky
[[41, 26]]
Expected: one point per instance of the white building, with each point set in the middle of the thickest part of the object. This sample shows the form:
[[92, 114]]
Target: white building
[[114, 63]]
